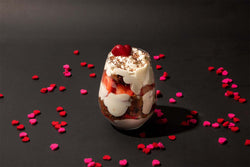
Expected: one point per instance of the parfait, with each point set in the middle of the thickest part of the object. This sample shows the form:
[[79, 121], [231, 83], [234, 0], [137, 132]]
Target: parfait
[[127, 88]]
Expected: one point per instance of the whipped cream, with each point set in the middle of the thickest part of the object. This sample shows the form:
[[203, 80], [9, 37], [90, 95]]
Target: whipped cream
[[117, 104], [148, 100], [135, 69]]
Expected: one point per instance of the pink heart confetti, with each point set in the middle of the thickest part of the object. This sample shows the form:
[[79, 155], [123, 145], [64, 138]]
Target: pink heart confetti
[[54, 146], [222, 140], [179, 94], [172, 100], [83, 91], [230, 125], [231, 115], [67, 74], [33, 121], [161, 146], [123, 162], [22, 134], [236, 94], [206, 123], [162, 78], [234, 86], [156, 57], [31, 115], [50, 89], [156, 162], [66, 66], [224, 73], [193, 121], [150, 146], [91, 164], [87, 160], [215, 125], [61, 130]]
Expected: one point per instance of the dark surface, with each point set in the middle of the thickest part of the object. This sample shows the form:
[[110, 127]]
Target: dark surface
[[39, 37]]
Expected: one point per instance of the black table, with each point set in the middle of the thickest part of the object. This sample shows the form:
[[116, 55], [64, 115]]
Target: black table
[[38, 37]]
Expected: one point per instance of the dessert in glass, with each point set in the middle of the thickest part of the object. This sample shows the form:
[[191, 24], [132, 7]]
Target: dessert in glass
[[127, 88]]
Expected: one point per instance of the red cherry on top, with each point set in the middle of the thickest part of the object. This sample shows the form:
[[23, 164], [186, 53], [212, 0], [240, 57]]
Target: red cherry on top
[[121, 50]]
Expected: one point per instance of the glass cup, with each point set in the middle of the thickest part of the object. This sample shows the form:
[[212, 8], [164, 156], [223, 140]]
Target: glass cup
[[127, 89]]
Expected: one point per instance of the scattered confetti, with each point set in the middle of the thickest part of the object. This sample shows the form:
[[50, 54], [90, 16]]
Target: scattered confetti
[[156, 162], [222, 140], [172, 100], [63, 113], [26, 139], [140, 146], [92, 75], [36, 112], [156, 57], [76, 52], [231, 115], [106, 157], [20, 127], [210, 68], [35, 77], [179, 94], [235, 129], [83, 64], [234, 86], [220, 120], [206, 123], [83, 91], [172, 137], [62, 88], [61, 130], [22, 134], [123, 162], [14, 122], [54, 146], [1, 95], [91, 66], [31, 115], [158, 67], [44, 90], [247, 142], [215, 125], [32, 121]]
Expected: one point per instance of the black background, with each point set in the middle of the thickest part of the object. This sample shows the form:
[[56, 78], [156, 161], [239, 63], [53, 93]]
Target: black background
[[38, 37]]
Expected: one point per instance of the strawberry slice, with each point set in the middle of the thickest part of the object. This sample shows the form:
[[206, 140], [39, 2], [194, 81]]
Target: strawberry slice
[[121, 89], [108, 82]]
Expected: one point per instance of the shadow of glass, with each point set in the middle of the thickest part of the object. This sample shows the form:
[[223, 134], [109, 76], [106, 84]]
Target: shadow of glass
[[178, 120]]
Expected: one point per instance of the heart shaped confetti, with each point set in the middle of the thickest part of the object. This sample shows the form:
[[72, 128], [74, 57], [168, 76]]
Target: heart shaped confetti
[[231, 115], [222, 140], [150, 146], [247, 142], [26, 139], [172, 137], [106, 157], [158, 67], [36, 112], [210, 68], [54, 146], [146, 150], [235, 129], [215, 125], [92, 75], [123, 162], [35, 77], [32, 121], [162, 78], [76, 52], [220, 120], [242, 100], [172, 100], [91, 164], [54, 123], [83, 91], [179, 94], [156, 57], [20, 127], [206, 123], [83, 64], [61, 130], [62, 88], [44, 90], [63, 113], [63, 123], [14, 122], [1, 95], [22, 134], [31, 115], [50, 89], [156, 162], [91, 66]]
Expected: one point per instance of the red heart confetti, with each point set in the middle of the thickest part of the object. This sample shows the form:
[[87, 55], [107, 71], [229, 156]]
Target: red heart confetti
[[140, 146], [35, 77], [44, 90], [247, 142], [57, 126], [225, 85], [76, 52], [25, 139], [236, 120], [210, 68], [229, 93], [14, 122], [194, 112], [225, 124], [1, 95], [184, 123], [63, 123], [235, 129], [172, 137], [53, 85], [106, 157], [97, 164], [63, 113], [158, 67], [59, 108], [155, 145], [142, 134], [91, 66], [36, 112], [161, 56], [146, 150], [62, 88], [92, 75], [83, 64], [242, 100], [220, 120], [236, 97], [54, 123], [20, 127]]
